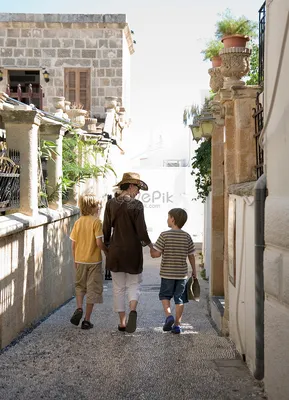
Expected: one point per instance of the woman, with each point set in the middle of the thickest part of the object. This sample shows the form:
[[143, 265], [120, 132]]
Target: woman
[[125, 233]]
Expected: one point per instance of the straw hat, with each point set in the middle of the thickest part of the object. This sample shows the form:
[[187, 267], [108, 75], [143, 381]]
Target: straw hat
[[134, 178]]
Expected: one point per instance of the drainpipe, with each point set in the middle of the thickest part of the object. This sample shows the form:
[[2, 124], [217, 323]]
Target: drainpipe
[[260, 196]]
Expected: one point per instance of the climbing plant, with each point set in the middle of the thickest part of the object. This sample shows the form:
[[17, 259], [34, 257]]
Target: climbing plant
[[201, 169]]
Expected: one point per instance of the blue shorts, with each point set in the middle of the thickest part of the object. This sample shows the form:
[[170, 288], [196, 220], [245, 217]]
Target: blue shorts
[[172, 288]]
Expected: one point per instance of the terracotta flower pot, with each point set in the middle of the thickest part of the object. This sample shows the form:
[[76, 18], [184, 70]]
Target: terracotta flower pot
[[235, 41], [216, 61]]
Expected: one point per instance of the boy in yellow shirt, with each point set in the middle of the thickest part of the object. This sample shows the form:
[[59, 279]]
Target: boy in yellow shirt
[[87, 244]]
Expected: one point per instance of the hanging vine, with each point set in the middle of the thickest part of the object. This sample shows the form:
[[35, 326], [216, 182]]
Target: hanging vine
[[202, 169]]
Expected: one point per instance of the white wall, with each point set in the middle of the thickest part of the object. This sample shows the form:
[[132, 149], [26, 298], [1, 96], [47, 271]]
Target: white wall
[[171, 188], [242, 295], [276, 263]]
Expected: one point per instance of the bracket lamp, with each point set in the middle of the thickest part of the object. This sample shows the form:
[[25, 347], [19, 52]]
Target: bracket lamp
[[46, 75]]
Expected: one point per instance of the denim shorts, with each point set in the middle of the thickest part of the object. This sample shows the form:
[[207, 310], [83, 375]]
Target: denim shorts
[[172, 288]]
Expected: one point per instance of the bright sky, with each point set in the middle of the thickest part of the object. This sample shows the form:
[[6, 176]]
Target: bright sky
[[167, 71]]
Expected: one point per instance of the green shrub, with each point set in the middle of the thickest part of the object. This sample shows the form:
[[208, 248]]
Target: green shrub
[[229, 25], [212, 50]]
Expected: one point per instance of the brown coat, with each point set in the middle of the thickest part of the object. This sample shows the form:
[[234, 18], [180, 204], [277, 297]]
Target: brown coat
[[125, 233]]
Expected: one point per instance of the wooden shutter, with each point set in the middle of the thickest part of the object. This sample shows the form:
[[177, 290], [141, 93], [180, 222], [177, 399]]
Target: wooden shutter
[[77, 86]]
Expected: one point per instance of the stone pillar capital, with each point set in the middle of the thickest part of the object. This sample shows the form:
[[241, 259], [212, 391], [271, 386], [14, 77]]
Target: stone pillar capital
[[245, 92], [52, 131], [20, 117]]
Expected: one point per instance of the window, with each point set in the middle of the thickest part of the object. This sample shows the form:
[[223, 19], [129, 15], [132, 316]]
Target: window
[[77, 86]]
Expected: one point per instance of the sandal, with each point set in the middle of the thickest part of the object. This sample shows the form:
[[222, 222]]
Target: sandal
[[86, 325], [77, 315], [121, 328], [131, 323]]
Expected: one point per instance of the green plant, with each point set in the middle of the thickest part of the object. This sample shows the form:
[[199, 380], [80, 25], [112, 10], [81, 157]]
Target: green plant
[[76, 167], [212, 49], [254, 66], [230, 25], [202, 169]]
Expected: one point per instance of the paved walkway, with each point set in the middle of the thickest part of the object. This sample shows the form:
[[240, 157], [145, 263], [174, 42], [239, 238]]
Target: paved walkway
[[60, 361]]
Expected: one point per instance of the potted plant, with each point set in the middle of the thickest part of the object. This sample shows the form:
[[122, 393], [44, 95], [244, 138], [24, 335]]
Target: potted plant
[[235, 32], [211, 52]]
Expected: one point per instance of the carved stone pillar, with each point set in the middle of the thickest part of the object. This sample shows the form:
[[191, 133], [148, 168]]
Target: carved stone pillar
[[22, 135], [54, 133], [217, 176]]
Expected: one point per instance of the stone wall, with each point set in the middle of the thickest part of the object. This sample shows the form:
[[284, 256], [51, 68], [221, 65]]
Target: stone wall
[[55, 41], [36, 268]]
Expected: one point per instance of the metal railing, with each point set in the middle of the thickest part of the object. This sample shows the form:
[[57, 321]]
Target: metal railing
[[9, 180], [262, 26], [26, 93], [258, 115]]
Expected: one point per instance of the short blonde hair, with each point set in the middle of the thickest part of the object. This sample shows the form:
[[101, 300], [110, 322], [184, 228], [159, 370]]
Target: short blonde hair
[[88, 203]]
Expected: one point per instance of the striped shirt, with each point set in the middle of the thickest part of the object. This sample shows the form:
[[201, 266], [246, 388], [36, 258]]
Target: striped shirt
[[175, 246]]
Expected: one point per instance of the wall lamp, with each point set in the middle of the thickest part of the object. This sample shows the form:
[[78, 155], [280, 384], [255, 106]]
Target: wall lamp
[[196, 129], [206, 121], [1, 75], [203, 125], [45, 75]]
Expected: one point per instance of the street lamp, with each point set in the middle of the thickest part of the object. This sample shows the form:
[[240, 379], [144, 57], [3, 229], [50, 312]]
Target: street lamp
[[206, 121], [196, 132]]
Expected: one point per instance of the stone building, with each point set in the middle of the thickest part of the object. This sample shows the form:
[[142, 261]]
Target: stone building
[[86, 57]]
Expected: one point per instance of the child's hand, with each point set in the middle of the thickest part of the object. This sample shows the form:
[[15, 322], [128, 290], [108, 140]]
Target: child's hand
[[75, 265]]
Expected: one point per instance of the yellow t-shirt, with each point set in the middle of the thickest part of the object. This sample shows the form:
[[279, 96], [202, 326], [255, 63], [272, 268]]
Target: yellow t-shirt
[[84, 233]]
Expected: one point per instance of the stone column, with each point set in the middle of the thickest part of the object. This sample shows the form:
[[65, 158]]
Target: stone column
[[229, 178], [22, 135], [217, 233], [54, 133], [239, 153], [244, 98]]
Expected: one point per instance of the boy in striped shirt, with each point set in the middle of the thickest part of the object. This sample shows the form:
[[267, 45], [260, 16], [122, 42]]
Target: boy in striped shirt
[[175, 246]]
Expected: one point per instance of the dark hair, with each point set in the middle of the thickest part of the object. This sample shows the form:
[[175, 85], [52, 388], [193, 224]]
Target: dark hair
[[124, 186], [180, 216]]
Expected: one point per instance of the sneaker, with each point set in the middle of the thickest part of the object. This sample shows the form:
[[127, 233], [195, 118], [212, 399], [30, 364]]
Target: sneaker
[[86, 325], [77, 315], [131, 323], [168, 323], [176, 329]]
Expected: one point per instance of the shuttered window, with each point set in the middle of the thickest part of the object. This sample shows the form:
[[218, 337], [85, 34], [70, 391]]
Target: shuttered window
[[77, 86]]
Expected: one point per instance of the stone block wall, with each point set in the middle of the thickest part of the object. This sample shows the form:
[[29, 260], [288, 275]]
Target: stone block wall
[[56, 41], [36, 270]]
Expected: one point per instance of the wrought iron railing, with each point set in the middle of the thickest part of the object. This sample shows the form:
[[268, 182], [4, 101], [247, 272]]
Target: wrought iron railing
[[258, 115], [262, 26], [9, 180]]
